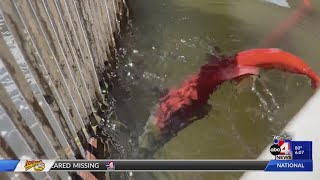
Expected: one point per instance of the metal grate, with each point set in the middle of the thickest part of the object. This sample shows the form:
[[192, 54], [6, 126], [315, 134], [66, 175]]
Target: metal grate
[[53, 56]]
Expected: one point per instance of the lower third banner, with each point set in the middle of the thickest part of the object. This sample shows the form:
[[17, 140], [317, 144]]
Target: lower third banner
[[152, 165], [290, 165]]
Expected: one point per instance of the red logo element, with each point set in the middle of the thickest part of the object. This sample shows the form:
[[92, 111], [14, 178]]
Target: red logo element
[[285, 147], [110, 165]]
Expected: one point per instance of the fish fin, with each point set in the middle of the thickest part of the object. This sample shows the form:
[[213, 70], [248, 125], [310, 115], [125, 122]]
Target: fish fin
[[217, 50], [240, 78], [239, 72], [212, 57], [316, 84]]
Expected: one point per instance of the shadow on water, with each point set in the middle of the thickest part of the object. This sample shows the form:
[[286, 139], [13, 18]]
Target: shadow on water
[[165, 45]]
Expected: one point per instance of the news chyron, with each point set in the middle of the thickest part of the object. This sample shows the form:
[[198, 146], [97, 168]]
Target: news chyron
[[290, 155]]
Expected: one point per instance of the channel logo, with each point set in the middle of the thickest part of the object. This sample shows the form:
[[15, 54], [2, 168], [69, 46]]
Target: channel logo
[[110, 165], [281, 148], [37, 165]]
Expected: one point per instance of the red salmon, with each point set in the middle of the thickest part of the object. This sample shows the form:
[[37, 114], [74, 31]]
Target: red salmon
[[180, 105]]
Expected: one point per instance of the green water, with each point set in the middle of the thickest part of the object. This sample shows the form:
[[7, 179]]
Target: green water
[[169, 40]]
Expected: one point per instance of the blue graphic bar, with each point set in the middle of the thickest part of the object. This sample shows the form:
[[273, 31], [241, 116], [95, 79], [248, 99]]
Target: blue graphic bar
[[8, 165], [290, 165], [301, 149]]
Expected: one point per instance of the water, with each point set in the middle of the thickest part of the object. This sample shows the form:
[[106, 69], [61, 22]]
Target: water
[[169, 40]]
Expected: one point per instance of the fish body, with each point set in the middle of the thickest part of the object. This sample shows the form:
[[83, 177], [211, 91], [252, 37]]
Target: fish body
[[195, 92], [182, 106]]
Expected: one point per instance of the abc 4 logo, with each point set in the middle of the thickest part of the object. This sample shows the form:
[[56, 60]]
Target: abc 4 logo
[[282, 148]]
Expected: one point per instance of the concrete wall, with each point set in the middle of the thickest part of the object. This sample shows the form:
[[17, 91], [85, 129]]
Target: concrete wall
[[54, 57]]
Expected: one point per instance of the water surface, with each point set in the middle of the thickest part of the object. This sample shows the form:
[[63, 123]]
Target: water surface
[[169, 40]]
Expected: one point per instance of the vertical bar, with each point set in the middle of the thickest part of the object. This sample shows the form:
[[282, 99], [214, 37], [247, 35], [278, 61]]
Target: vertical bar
[[16, 141], [91, 56], [32, 94], [34, 60], [20, 104], [64, 75], [79, 72], [51, 65]]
